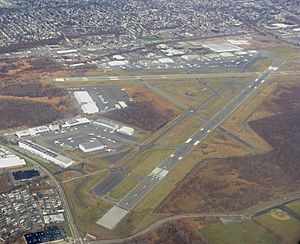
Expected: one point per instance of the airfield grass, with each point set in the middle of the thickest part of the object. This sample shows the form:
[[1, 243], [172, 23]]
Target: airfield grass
[[125, 186], [289, 229], [237, 121], [216, 103], [245, 232], [180, 91], [181, 133], [147, 161], [100, 82], [137, 221], [85, 206], [295, 206]]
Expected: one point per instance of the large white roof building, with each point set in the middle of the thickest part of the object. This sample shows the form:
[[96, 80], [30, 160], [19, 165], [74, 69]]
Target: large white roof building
[[10, 160]]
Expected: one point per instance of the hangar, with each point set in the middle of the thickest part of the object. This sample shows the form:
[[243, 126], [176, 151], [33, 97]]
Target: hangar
[[91, 146], [126, 130]]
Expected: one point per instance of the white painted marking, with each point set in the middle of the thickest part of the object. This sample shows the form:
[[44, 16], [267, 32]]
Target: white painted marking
[[113, 78], [196, 143], [189, 140]]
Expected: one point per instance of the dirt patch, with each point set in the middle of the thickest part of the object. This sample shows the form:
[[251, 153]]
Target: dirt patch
[[29, 69], [234, 184], [147, 111], [184, 231], [5, 185], [278, 214]]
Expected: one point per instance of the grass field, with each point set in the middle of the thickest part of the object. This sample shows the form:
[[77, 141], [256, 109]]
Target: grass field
[[245, 232], [85, 206], [181, 132], [146, 162], [123, 188], [288, 229], [214, 146], [189, 92], [295, 206]]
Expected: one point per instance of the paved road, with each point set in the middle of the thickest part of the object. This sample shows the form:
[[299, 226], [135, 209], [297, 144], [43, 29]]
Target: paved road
[[129, 201], [171, 76]]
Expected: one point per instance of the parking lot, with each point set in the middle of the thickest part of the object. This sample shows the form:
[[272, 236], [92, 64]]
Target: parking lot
[[70, 138], [106, 98]]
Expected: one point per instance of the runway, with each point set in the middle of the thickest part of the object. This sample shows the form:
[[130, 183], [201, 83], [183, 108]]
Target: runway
[[130, 200], [165, 77]]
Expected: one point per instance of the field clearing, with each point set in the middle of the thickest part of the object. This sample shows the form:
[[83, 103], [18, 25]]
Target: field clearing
[[124, 187], [289, 229], [245, 232], [181, 132]]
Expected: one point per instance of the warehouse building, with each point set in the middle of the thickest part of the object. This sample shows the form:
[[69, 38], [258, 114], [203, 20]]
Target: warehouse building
[[76, 122], [86, 103], [222, 47], [91, 146], [32, 131], [126, 130], [46, 154], [10, 160], [107, 123]]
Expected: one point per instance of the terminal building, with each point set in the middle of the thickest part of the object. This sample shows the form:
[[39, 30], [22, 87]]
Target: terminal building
[[91, 146], [46, 154], [10, 160]]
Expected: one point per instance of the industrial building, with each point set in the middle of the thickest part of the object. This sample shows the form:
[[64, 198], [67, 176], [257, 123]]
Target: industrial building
[[46, 154], [107, 123], [222, 47], [126, 130], [32, 131], [10, 160], [86, 103], [76, 122], [91, 146]]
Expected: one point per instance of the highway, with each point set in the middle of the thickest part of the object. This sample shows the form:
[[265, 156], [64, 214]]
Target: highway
[[131, 199], [166, 76]]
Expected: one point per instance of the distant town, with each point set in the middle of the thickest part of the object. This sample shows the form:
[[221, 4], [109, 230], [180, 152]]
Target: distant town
[[149, 121]]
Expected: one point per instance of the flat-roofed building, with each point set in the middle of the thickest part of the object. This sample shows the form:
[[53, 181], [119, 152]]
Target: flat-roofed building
[[91, 146], [46, 154], [10, 160], [126, 130]]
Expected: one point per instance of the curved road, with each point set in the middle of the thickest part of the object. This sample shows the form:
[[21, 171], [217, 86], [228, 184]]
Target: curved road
[[164, 220]]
